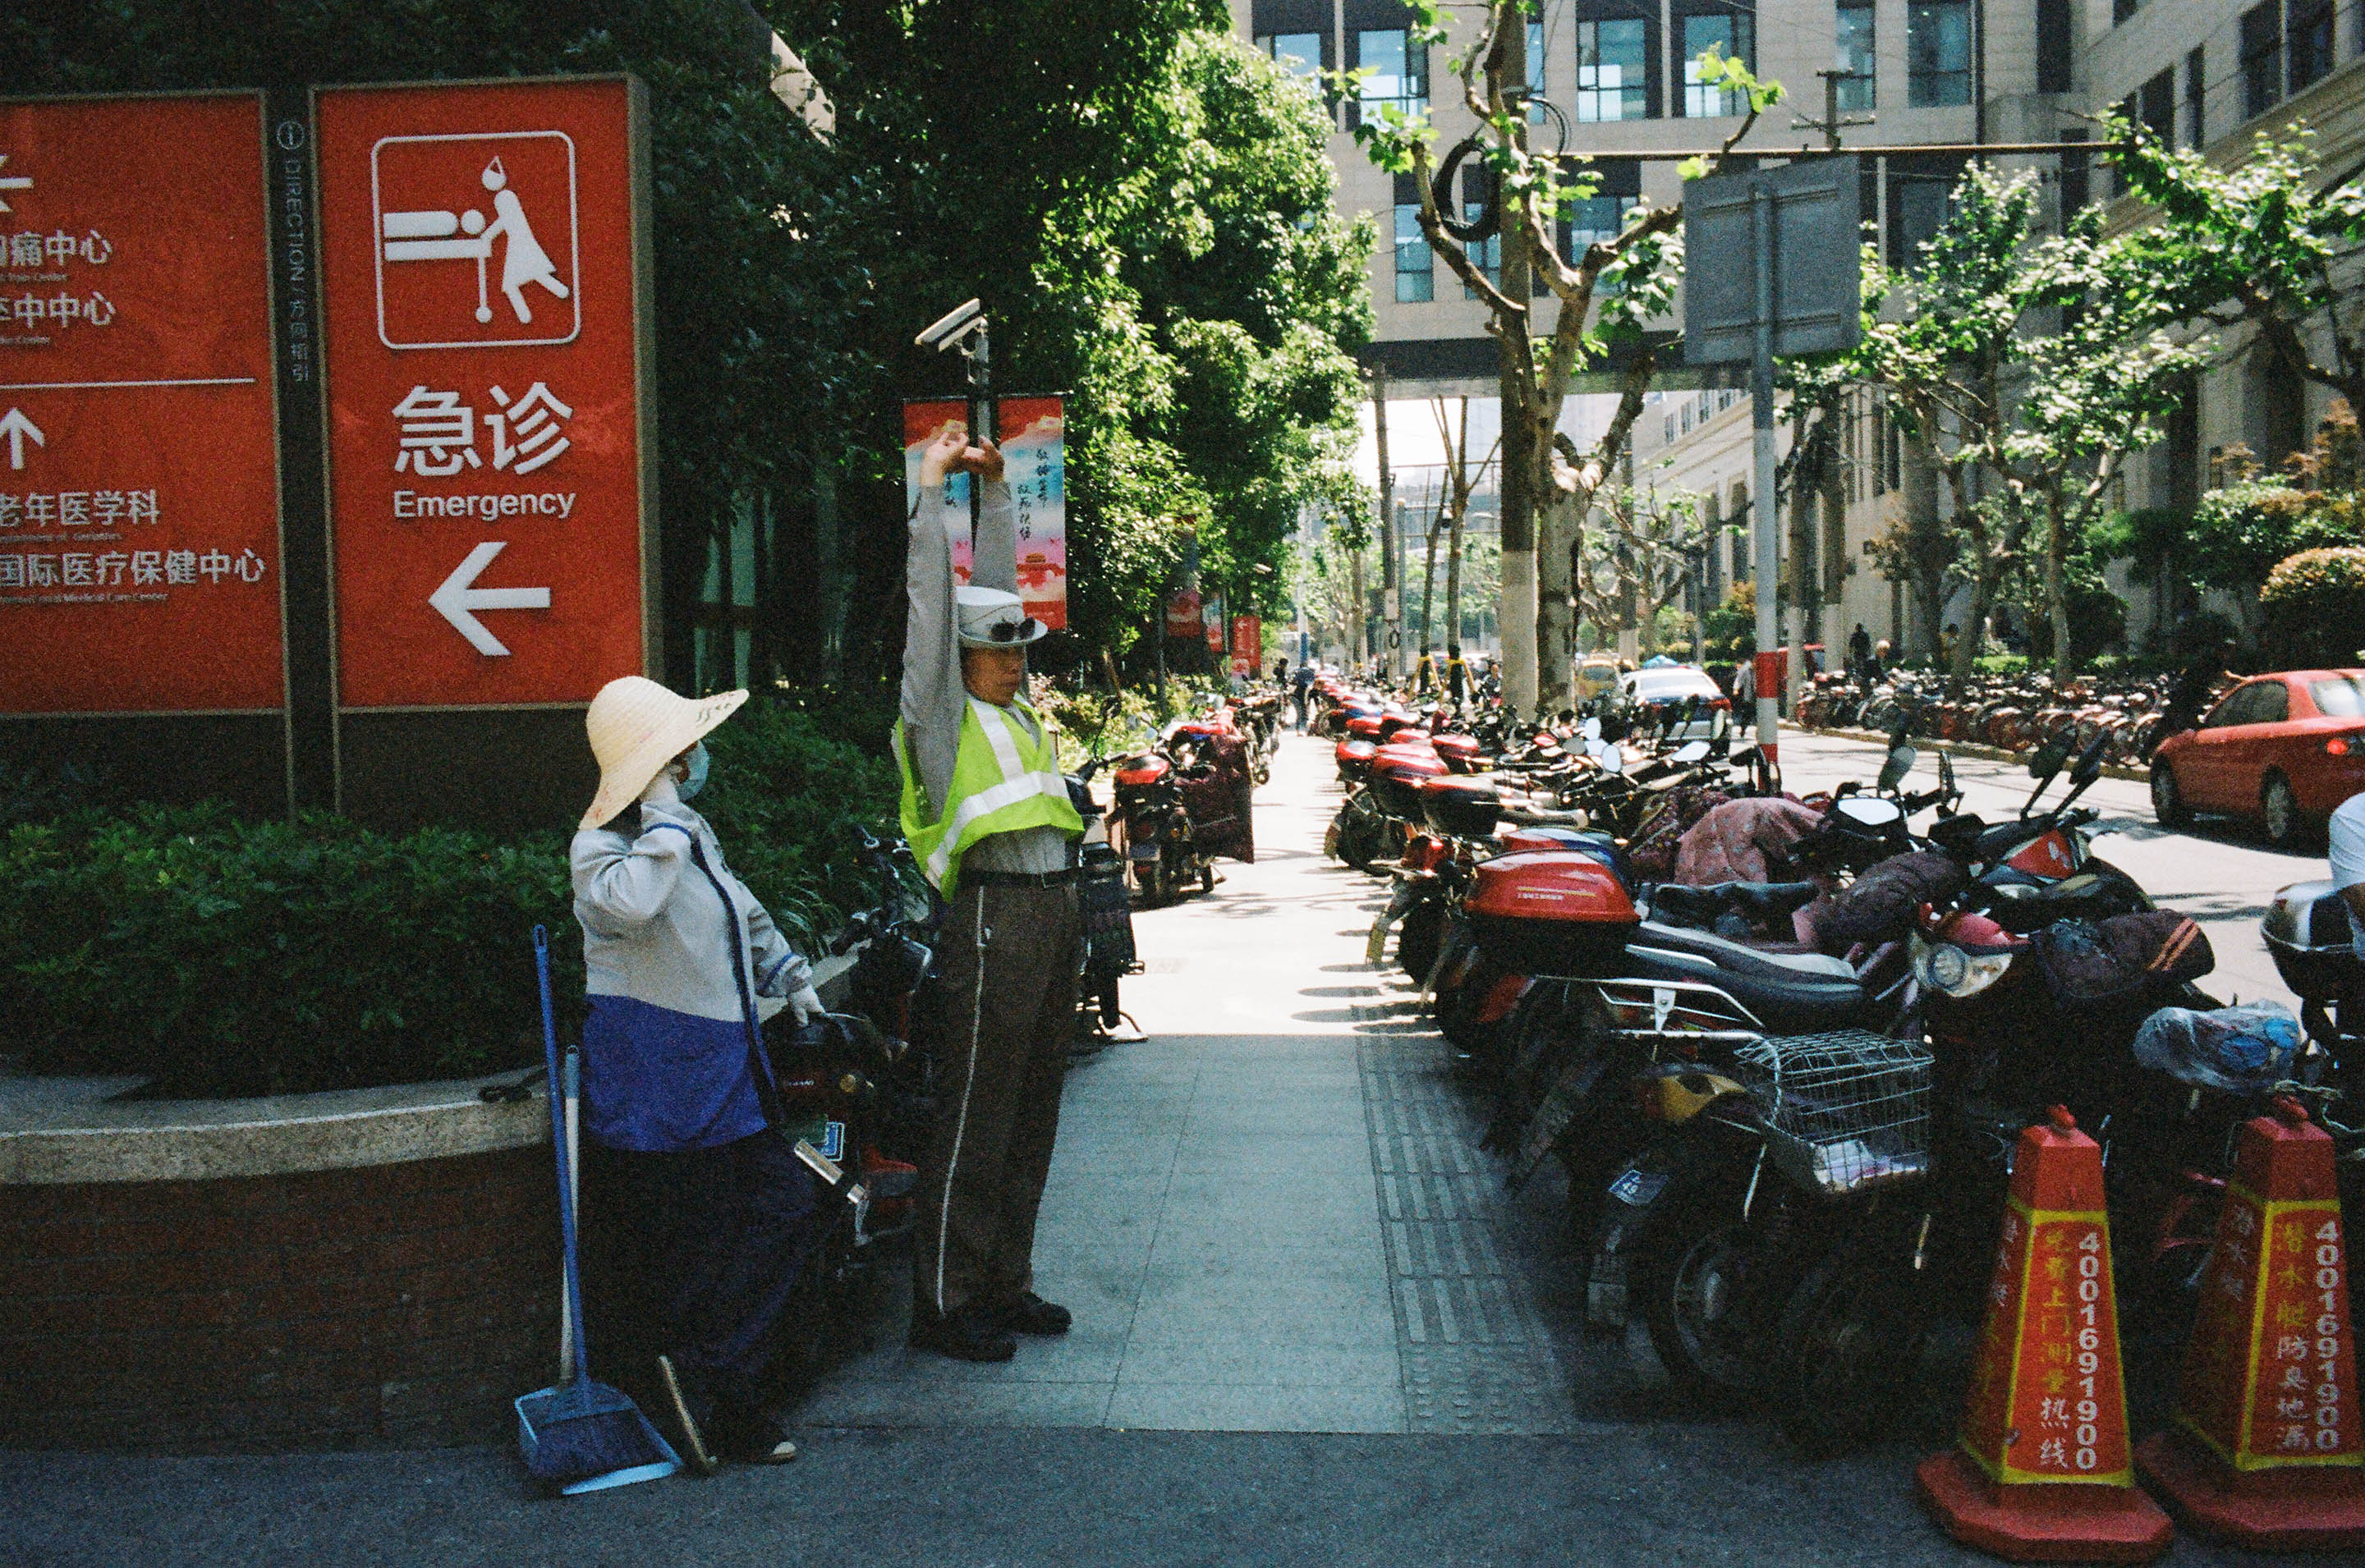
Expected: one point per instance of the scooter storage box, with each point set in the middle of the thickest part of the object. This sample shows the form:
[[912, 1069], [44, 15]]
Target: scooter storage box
[[1397, 774], [1134, 772], [1354, 757], [2307, 929], [1460, 807], [1549, 912], [1364, 727], [1459, 751]]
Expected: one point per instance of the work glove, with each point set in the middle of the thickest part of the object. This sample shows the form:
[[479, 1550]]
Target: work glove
[[805, 1005]]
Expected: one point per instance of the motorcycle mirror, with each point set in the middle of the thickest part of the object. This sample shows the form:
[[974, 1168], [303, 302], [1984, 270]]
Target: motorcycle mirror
[[1590, 730], [1901, 762], [2089, 766], [1612, 760], [1691, 752], [1720, 723], [2046, 760], [1946, 773]]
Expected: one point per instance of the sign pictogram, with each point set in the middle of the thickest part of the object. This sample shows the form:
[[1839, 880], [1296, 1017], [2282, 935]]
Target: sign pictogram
[[478, 239], [139, 542], [486, 448]]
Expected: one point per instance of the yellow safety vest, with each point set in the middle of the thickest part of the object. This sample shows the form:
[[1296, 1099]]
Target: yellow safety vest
[[1004, 780]]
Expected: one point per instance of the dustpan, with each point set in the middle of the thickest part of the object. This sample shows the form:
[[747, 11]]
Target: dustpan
[[644, 1455]]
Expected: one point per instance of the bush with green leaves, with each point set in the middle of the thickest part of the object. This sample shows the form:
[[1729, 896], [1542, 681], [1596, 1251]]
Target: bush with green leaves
[[224, 957], [2313, 607]]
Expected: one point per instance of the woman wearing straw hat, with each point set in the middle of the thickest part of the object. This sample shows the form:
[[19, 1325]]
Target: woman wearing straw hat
[[676, 1083]]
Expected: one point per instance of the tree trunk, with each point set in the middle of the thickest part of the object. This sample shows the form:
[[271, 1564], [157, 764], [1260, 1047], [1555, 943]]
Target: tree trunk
[[1834, 558], [2056, 557], [1555, 620], [1804, 482], [1926, 550], [1428, 582], [1453, 576], [1359, 629]]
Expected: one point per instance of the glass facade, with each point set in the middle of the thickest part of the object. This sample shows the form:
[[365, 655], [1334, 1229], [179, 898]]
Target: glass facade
[[1416, 267], [1732, 34], [1399, 71]]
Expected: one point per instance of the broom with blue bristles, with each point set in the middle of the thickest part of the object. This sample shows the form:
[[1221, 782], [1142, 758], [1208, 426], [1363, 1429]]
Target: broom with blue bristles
[[582, 1435]]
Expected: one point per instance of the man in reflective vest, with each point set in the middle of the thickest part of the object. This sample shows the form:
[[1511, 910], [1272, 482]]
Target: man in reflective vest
[[987, 813]]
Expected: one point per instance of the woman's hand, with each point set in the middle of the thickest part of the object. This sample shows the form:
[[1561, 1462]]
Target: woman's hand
[[948, 450]]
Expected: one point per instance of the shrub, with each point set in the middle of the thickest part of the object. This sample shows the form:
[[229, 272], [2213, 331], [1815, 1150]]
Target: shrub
[[2313, 607], [229, 957]]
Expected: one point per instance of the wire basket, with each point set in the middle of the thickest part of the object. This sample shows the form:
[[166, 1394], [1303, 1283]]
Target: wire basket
[[1846, 1110]]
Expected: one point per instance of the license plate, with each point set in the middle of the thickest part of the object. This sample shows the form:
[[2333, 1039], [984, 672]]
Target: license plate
[[1640, 1188]]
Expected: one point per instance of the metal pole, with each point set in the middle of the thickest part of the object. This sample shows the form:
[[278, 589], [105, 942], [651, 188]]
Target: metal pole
[[1390, 579], [1765, 532]]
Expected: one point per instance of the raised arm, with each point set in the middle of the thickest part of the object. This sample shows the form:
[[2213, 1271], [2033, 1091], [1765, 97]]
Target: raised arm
[[933, 697]]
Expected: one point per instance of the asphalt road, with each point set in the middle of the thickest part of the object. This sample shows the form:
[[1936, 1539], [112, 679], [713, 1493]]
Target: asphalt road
[[1258, 1007], [2220, 873]]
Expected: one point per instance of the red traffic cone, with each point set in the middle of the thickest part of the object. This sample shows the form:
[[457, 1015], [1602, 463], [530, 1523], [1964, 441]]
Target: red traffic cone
[[2041, 1473], [2266, 1450]]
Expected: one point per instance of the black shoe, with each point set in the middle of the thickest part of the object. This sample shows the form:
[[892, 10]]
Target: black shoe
[[967, 1335], [1030, 1314], [750, 1437], [692, 1409]]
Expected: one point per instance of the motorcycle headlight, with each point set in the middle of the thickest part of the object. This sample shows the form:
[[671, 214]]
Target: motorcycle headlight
[[1947, 969]]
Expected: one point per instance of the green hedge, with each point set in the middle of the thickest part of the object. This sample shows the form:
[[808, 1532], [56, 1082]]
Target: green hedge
[[225, 957], [2313, 607]]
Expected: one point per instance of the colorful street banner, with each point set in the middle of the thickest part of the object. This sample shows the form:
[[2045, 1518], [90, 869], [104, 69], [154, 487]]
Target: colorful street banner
[[924, 421], [1035, 453], [1183, 614], [1248, 644]]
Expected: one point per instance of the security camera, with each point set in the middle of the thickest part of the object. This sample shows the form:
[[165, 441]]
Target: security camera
[[950, 328]]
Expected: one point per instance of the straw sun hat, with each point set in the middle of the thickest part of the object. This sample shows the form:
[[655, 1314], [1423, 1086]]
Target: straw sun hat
[[636, 727]]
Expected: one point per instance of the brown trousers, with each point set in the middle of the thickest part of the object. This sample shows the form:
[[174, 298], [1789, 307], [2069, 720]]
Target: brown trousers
[[1008, 968]]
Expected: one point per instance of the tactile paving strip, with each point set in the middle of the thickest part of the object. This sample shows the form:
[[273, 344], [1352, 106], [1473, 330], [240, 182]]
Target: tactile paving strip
[[1477, 1356]]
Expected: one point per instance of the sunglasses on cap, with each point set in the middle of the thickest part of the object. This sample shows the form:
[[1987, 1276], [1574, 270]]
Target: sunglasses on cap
[[1012, 631]]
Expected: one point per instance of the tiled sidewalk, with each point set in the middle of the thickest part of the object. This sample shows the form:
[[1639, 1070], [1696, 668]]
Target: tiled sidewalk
[[1267, 1216]]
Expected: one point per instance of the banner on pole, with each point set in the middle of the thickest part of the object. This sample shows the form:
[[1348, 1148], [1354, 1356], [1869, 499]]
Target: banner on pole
[[1248, 644], [1035, 454], [924, 421], [1183, 614]]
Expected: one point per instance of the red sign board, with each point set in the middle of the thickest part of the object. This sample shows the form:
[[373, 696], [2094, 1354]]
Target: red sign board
[[2046, 1404], [480, 263], [138, 464], [1248, 639], [1183, 614]]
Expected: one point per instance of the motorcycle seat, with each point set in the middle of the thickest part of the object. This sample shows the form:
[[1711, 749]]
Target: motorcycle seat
[[1701, 904], [1799, 992], [1533, 816]]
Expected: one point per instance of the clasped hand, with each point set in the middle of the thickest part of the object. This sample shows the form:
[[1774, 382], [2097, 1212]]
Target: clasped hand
[[951, 449]]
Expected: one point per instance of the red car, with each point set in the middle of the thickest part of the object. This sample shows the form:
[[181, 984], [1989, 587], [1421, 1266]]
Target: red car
[[2280, 749]]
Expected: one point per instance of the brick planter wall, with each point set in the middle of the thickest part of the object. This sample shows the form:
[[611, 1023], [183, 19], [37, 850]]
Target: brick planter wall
[[398, 1304]]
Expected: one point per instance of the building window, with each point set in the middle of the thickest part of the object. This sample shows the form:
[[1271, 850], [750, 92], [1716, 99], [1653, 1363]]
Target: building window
[[2262, 59], [1299, 54], [2055, 47], [1486, 255], [2310, 32], [1537, 89], [1857, 55], [2196, 87], [1399, 71], [1613, 69], [1938, 53], [1732, 34], [1669, 436], [1920, 197], [1617, 191], [2121, 9], [1415, 273], [2077, 176], [2158, 106]]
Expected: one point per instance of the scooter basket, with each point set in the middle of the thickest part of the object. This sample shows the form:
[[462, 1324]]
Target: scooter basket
[[1107, 912], [1845, 1111]]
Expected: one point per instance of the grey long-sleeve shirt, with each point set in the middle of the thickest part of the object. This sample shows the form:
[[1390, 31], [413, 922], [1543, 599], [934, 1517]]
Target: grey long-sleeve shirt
[[935, 701]]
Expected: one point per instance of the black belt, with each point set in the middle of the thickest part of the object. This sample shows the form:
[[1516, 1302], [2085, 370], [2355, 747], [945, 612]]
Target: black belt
[[1020, 879]]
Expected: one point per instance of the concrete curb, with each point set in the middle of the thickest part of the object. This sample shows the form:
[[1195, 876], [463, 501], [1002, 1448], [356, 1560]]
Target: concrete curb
[[1965, 748], [65, 1130]]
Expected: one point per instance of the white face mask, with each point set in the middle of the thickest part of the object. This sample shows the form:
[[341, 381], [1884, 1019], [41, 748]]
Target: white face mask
[[694, 770]]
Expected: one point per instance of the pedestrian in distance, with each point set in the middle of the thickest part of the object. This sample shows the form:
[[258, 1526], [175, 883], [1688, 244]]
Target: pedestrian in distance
[[1859, 646], [714, 1212], [1301, 691], [986, 810]]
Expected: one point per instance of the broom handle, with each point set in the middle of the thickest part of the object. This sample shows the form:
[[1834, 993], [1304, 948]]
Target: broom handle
[[566, 1351], [571, 1296]]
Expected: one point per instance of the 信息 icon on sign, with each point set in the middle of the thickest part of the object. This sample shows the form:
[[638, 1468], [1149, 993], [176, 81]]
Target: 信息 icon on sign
[[450, 275]]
